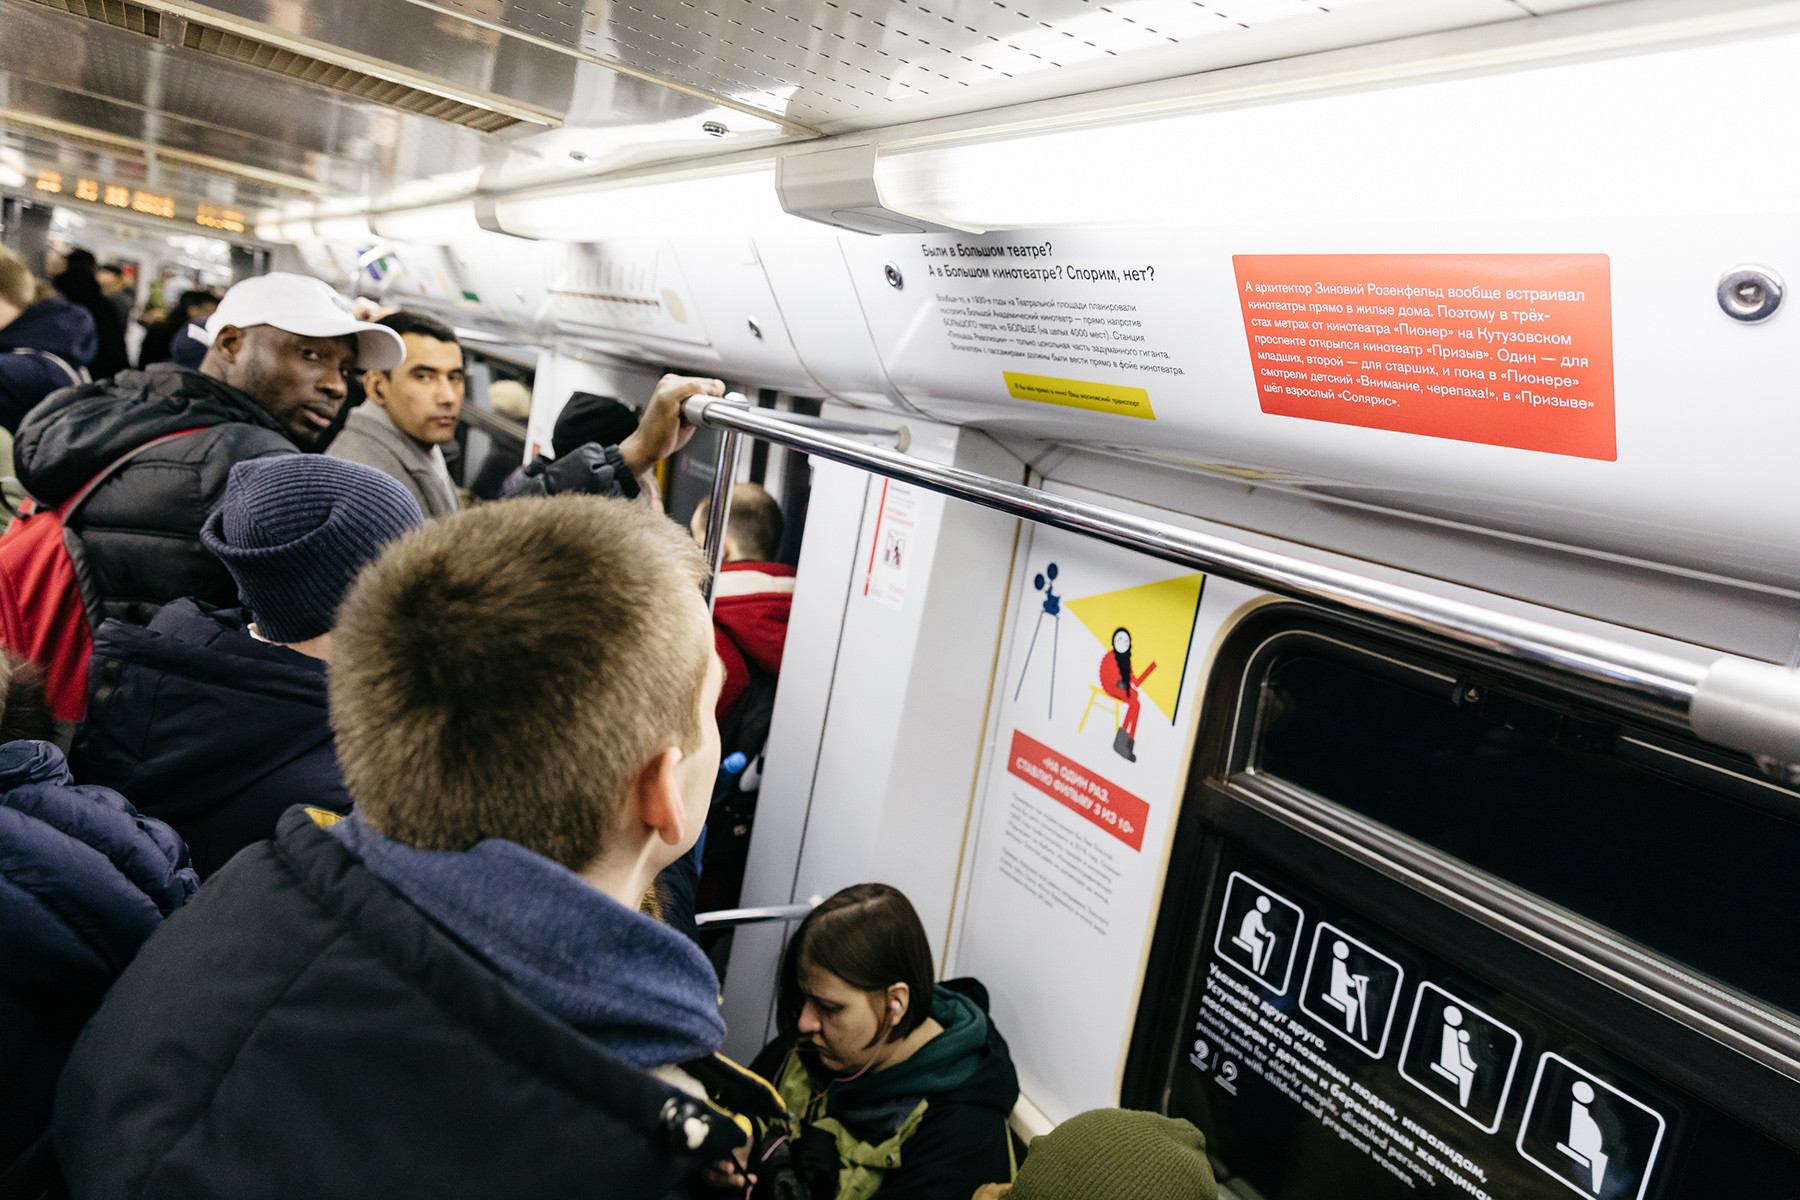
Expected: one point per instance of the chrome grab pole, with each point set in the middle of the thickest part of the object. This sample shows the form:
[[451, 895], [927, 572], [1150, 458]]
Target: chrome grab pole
[[1736, 702], [730, 918], [719, 511]]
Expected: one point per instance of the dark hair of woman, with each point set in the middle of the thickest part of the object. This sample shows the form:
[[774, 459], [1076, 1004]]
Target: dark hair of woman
[[1123, 658], [870, 937]]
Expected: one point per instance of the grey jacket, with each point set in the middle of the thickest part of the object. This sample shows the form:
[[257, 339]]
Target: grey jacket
[[371, 438]]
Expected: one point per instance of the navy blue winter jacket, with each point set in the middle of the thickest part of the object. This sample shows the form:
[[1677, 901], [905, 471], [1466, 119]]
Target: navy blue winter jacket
[[203, 726], [84, 880], [28, 372]]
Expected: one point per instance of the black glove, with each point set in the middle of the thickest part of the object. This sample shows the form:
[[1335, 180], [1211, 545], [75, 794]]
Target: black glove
[[593, 470]]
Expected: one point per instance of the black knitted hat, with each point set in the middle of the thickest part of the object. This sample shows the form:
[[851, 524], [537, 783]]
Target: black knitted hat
[[590, 418], [294, 529], [1117, 1154]]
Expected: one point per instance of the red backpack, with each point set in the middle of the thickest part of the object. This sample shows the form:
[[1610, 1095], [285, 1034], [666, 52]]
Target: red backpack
[[49, 624]]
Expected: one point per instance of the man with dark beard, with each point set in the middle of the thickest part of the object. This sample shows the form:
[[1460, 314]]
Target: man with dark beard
[[281, 348]]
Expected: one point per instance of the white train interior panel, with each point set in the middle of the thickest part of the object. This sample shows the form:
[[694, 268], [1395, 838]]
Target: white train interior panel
[[1292, 503]]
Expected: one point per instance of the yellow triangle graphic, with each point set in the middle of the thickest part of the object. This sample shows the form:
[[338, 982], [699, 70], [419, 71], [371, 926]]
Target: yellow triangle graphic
[[1160, 617]]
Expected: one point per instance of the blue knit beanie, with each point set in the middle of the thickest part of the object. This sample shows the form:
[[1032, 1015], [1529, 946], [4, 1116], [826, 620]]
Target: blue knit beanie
[[294, 529]]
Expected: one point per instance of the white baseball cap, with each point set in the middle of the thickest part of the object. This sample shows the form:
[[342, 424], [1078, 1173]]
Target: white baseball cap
[[306, 306]]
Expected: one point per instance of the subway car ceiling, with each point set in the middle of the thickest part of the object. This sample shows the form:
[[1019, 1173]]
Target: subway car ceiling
[[1120, 216], [1109, 226]]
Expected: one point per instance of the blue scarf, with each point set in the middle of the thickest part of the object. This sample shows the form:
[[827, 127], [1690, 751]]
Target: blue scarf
[[641, 990]]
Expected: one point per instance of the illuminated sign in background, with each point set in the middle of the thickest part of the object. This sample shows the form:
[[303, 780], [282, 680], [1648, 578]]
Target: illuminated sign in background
[[151, 204]]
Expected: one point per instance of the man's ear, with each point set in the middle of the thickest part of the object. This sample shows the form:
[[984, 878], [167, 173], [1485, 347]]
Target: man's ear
[[375, 386], [655, 797], [229, 342]]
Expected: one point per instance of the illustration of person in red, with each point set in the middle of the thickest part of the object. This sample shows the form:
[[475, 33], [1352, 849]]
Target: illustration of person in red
[[1119, 683]]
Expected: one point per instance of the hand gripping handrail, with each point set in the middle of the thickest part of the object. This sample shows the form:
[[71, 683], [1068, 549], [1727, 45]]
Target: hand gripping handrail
[[1736, 702]]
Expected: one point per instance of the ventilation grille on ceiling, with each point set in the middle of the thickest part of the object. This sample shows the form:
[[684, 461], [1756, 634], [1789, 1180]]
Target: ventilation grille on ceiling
[[120, 14], [270, 57]]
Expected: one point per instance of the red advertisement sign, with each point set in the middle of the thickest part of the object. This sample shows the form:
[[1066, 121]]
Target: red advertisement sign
[[1504, 349], [1111, 808]]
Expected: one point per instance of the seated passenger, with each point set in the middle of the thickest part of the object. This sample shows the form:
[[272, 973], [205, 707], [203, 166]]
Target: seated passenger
[[754, 593], [215, 719], [1113, 1154], [83, 881], [451, 992], [409, 414], [588, 459], [895, 1088]]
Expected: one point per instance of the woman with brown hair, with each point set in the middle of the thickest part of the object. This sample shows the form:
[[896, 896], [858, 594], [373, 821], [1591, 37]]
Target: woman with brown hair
[[895, 1086]]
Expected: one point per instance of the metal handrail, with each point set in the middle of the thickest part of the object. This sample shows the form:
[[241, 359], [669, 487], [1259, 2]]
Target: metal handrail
[[730, 918], [1735, 702], [494, 425]]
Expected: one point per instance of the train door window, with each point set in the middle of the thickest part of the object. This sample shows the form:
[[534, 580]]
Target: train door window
[[1641, 836], [1343, 1024], [690, 475]]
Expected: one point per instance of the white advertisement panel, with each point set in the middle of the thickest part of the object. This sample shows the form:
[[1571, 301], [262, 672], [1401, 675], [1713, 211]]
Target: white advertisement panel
[[1089, 749]]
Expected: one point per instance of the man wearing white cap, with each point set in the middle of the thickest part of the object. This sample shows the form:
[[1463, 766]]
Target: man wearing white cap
[[280, 350]]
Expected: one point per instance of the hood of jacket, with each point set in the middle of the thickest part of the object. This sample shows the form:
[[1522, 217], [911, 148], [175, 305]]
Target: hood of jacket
[[75, 433], [84, 879], [752, 605], [191, 710], [55, 325], [630, 982], [301, 1025]]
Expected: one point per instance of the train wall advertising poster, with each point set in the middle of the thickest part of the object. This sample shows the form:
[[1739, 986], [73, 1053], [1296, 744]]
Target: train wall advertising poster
[[1506, 349], [1087, 755]]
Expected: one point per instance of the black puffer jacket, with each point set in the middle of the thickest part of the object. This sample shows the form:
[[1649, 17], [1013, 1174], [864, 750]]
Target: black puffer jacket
[[41, 350], [202, 726], [84, 881], [138, 544], [300, 1029]]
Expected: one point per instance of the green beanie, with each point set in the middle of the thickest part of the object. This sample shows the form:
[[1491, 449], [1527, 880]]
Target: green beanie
[[1117, 1154]]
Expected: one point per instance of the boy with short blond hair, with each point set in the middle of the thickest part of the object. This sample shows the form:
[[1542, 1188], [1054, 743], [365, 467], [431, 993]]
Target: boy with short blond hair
[[447, 993]]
